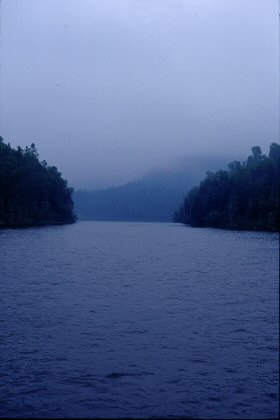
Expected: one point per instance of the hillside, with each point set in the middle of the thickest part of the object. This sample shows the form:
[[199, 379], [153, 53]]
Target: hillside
[[150, 198]]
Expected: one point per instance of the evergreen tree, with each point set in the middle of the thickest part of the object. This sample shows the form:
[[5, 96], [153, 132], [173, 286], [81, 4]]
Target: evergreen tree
[[31, 193], [244, 197]]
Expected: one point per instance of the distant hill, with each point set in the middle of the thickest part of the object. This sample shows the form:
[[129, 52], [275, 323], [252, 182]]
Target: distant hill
[[31, 192], [154, 197], [246, 196]]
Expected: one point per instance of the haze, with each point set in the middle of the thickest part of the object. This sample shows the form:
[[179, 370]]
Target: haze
[[110, 89]]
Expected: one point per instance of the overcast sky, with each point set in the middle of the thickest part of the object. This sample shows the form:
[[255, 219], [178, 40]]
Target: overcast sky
[[109, 89]]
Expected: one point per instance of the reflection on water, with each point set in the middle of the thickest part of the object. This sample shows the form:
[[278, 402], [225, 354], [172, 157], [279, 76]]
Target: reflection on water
[[138, 320]]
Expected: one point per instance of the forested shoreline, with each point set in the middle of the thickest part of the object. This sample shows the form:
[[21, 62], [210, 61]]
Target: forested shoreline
[[32, 193], [151, 198], [244, 197]]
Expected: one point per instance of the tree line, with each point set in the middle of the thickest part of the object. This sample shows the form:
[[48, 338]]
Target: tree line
[[246, 196], [32, 193], [130, 202], [152, 197]]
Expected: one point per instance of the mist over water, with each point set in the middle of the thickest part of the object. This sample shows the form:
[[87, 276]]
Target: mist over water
[[109, 90], [133, 102], [139, 320]]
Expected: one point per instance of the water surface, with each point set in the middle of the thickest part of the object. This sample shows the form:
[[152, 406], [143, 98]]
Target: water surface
[[138, 320]]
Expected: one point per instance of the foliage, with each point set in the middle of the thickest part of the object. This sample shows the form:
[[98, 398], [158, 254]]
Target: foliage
[[130, 202], [153, 197], [31, 192], [246, 196]]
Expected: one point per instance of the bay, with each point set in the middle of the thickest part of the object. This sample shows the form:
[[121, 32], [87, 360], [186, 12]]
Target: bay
[[115, 319]]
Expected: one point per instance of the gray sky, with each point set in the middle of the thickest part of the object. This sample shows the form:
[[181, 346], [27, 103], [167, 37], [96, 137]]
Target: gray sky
[[109, 89]]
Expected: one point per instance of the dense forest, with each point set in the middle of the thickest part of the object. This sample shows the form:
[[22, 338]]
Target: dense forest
[[129, 202], [31, 192], [246, 196], [153, 197]]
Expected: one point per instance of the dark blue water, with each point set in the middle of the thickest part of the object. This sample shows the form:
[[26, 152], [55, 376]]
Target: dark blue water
[[138, 320]]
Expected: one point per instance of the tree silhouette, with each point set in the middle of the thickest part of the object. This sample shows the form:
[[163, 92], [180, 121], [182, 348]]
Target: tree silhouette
[[244, 197], [31, 193]]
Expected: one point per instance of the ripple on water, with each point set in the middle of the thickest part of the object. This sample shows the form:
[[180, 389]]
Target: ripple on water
[[139, 320]]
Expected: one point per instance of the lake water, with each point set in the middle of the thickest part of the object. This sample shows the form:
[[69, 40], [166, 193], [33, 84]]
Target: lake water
[[139, 320]]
